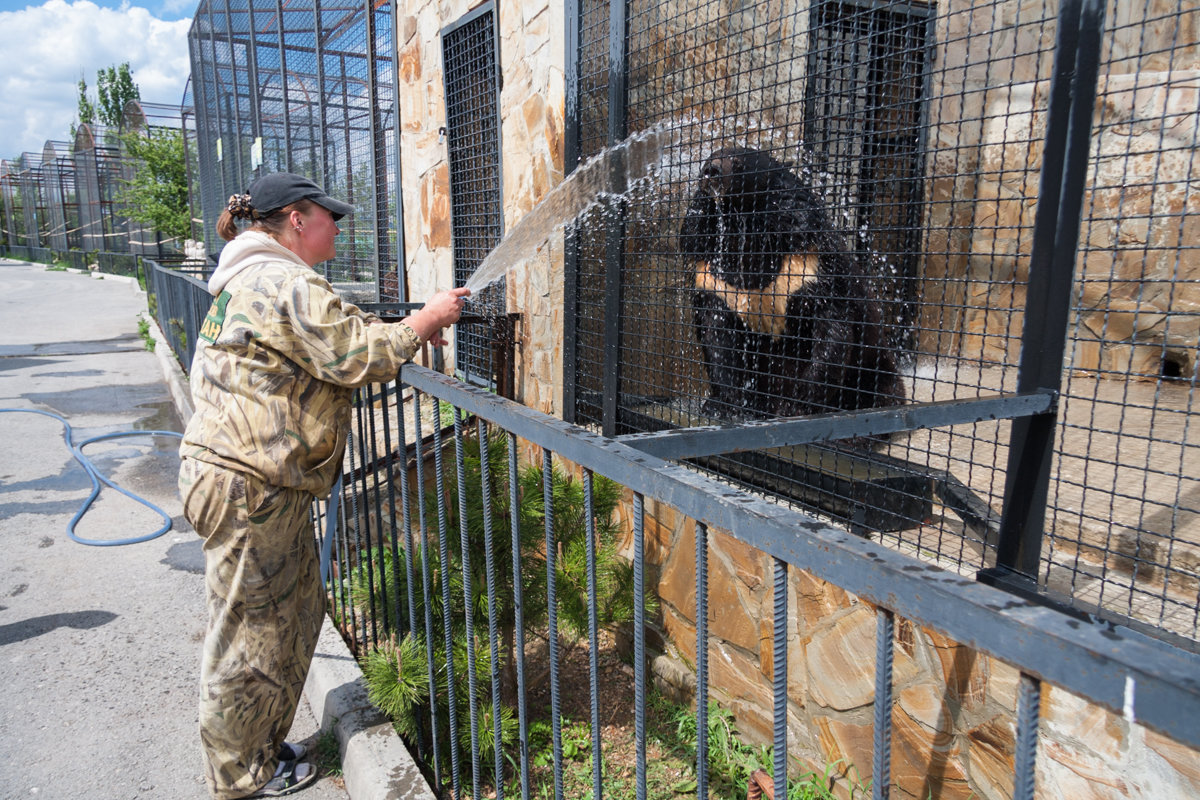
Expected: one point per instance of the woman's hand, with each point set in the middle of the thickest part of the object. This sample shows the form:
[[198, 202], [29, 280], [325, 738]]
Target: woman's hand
[[443, 309]]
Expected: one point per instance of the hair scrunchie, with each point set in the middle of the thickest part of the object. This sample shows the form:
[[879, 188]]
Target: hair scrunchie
[[239, 206]]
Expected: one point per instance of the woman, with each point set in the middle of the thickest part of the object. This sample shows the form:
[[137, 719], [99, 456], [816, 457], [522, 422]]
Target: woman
[[277, 360]]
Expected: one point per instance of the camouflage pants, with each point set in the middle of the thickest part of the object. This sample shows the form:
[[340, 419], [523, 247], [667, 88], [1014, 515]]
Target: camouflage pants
[[265, 609]]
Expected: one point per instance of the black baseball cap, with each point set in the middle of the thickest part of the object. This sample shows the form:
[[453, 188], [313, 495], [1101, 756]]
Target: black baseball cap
[[272, 192]]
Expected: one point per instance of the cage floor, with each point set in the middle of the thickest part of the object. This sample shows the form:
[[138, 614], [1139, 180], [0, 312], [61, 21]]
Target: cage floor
[[1123, 525]]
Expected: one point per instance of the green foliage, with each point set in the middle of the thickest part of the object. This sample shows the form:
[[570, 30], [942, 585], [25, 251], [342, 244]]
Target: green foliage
[[731, 761], [397, 680], [87, 109], [392, 670], [576, 740], [327, 754], [178, 330], [144, 332], [157, 194], [114, 88]]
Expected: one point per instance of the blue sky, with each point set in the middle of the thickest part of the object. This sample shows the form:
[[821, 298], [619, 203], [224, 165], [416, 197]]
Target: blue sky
[[49, 45]]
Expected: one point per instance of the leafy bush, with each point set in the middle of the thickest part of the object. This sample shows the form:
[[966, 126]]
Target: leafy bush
[[382, 581]]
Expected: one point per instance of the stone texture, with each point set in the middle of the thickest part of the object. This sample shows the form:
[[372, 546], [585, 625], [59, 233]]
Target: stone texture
[[989, 757], [843, 659]]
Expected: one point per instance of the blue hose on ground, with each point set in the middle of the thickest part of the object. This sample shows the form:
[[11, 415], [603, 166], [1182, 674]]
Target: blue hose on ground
[[98, 479]]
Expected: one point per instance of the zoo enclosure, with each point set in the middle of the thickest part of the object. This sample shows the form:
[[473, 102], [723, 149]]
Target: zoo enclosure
[[397, 448], [1046, 441], [403, 447], [980, 309], [64, 203], [305, 88]]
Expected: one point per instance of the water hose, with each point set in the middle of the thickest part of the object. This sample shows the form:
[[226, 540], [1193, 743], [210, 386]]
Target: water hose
[[98, 479]]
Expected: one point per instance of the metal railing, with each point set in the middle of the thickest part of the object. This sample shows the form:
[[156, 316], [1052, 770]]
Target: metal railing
[[403, 448], [178, 297], [408, 490]]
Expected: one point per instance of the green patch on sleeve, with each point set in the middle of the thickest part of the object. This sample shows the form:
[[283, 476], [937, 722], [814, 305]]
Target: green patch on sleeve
[[211, 329]]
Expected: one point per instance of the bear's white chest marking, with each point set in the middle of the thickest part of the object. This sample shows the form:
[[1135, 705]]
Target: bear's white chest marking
[[762, 310]]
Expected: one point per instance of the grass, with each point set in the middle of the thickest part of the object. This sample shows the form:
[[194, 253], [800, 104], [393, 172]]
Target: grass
[[144, 332], [670, 771], [327, 756]]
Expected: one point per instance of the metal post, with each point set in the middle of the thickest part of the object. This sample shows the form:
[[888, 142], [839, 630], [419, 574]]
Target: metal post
[[378, 152], [552, 618], [1025, 758], [256, 94], [614, 245], [779, 667], [241, 172], [1051, 274], [320, 56], [885, 637], [398, 171], [283, 87], [571, 155]]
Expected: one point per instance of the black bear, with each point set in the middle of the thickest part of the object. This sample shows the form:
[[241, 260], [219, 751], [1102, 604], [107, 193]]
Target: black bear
[[786, 320]]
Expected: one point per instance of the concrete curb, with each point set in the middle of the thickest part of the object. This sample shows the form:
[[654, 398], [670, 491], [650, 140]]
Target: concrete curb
[[376, 765]]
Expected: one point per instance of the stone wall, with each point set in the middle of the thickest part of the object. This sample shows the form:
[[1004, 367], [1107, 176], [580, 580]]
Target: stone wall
[[1135, 279], [1137, 293], [954, 719], [531, 118]]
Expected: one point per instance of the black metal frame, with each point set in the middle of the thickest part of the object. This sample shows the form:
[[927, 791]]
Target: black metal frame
[[1116, 668], [471, 73]]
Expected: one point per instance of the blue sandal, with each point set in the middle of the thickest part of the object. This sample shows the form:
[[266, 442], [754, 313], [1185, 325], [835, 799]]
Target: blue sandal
[[290, 776]]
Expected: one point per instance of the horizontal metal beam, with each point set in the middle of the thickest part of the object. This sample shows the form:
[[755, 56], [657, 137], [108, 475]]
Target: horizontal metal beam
[[713, 440], [1128, 673]]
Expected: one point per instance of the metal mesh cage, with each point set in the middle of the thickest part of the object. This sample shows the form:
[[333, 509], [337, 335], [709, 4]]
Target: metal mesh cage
[[469, 61], [309, 90], [845, 222]]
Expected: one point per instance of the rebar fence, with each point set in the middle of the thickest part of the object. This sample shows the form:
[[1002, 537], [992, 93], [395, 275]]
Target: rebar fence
[[869, 212], [178, 298], [309, 89], [473, 572], [922, 274]]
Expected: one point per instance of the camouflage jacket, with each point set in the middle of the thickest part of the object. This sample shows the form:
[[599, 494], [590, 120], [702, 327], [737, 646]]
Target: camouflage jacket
[[277, 360]]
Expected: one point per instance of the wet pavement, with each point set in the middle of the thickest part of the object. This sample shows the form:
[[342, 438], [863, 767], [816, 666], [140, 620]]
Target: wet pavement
[[99, 645]]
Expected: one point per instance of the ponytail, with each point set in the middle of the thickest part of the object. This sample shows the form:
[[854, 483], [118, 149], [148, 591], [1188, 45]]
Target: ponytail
[[239, 212]]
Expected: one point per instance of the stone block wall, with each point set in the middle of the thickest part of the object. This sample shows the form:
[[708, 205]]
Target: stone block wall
[[531, 118], [1137, 293], [954, 718]]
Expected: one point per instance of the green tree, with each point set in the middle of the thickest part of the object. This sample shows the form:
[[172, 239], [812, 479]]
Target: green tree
[[87, 110], [157, 194], [115, 87]]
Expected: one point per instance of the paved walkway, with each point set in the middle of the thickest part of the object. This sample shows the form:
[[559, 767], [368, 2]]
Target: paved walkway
[[100, 646]]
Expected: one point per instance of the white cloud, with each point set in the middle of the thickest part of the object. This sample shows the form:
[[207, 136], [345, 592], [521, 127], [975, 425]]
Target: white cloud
[[48, 48]]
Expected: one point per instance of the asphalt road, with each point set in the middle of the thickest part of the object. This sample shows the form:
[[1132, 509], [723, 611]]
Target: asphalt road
[[99, 646]]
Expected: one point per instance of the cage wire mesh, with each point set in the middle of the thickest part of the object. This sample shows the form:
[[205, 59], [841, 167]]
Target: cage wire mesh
[[14, 216], [902, 144], [1123, 531], [469, 60], [32, 207], [310, 90]]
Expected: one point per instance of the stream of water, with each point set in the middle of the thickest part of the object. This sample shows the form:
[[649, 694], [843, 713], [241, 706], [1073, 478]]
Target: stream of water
[[609, 172]]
